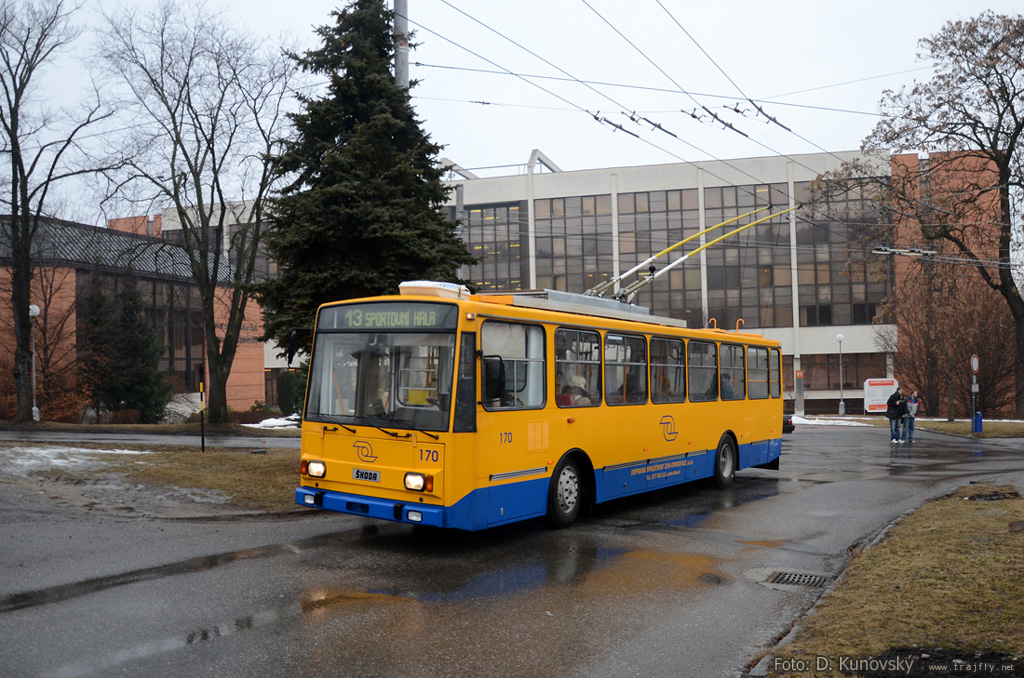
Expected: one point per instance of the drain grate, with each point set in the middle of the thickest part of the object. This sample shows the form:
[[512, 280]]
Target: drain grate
[[798, 579]]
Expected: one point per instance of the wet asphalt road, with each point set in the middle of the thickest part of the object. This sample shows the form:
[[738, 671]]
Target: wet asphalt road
[[668, 584]]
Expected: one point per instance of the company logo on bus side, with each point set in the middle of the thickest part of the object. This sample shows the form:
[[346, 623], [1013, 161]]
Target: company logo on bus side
[[364, 451], [668, 428]]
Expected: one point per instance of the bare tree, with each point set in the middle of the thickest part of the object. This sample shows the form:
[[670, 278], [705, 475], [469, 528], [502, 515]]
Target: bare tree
[[207, 103], [42, 149], [969, 118], [945, 315]]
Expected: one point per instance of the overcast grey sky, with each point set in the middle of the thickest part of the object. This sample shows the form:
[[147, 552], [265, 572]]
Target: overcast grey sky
[[819, 68]]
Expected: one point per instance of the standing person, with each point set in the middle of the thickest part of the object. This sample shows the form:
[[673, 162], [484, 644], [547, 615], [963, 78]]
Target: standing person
[[913, 407], [896, 409]]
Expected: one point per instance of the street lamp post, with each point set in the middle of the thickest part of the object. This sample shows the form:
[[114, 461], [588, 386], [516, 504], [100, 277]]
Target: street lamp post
[[842, 405], [33, 312]]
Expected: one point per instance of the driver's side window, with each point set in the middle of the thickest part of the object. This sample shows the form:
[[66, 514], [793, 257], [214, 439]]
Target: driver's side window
[[513, 365]]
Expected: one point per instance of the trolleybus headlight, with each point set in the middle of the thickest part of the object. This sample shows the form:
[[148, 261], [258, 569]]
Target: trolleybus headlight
[[417, 482], [315, 469]]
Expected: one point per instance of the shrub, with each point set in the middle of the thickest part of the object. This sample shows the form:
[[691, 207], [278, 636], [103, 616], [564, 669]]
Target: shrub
[[291, 387]]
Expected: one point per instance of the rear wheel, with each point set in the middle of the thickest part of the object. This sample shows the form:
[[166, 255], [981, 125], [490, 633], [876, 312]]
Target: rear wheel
[[564, 496], [725, 462]]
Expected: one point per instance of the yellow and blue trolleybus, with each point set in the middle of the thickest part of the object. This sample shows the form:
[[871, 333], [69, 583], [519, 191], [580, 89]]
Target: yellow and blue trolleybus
[[442, 408]]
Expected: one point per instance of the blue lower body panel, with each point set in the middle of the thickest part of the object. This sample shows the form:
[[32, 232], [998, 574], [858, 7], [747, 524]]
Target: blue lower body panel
[[622, 481], [370, 507], [500, 504], [478, 510], [763, 452]]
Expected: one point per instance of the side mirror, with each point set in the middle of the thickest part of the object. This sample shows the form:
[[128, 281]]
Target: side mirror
[[494, 377], [293, 345]]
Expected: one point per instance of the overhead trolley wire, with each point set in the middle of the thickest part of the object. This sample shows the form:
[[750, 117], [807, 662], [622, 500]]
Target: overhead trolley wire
[[634, 117], [738, 88], [595, 116]]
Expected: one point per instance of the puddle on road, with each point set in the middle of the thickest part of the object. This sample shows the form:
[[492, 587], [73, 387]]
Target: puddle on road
[[548, 578], [688, 506]]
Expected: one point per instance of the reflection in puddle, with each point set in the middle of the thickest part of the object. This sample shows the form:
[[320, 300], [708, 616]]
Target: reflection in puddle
[[576, 570], [692, 520], [687, 506], [567, 566]]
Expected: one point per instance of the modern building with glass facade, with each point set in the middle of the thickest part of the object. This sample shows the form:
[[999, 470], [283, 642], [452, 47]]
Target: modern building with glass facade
[[800, 278]]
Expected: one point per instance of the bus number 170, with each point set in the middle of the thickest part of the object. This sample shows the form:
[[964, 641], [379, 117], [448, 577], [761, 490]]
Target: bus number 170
[[506, 436], [429, 455]]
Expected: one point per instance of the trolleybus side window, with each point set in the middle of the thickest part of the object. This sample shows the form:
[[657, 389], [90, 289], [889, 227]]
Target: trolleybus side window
[[513, 365], [757, 372], [703, 373], [577, 368], [775, 372], [668, 371], [625, 369], [733, 374]]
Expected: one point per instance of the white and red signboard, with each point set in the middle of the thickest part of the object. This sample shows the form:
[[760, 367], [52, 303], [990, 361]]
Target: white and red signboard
[[877, 392]]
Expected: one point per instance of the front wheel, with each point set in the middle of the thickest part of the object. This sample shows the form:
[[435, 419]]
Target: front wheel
[[725, 462], [564, 496]]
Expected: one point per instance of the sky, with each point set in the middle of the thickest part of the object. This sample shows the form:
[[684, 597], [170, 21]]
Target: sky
[[819, 68]]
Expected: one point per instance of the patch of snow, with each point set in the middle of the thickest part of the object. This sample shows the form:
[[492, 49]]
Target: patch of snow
[[827, 421], [291, 421], [22, 461]]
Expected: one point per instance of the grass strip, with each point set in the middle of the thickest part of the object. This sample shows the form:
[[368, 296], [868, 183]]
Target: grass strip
[[264, 482], [943, 591]]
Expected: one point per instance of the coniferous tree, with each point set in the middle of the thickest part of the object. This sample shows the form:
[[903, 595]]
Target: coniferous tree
[[121, 354], [360, 213], [95, 331]]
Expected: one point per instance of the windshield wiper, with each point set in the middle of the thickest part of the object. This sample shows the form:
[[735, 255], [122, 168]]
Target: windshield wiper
[[392, 433], [428, 433]]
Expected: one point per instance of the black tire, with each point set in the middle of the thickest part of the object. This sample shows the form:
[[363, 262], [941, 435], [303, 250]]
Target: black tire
[[565, 494], [725, 462]]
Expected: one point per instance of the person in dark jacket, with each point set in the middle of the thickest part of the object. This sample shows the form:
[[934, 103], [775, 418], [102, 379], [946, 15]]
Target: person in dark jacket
[[896, 409]]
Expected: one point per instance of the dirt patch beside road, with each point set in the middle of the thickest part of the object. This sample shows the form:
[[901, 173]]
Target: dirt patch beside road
[[162, 481]]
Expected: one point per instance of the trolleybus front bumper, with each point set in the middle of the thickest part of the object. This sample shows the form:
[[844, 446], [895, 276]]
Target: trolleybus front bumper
[[354, 504]]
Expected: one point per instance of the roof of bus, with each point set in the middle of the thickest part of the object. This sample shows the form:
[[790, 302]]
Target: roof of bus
[[597, 314], [553, 306]]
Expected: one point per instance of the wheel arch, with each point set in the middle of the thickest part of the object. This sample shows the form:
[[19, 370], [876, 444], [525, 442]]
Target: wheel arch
[[588, 480], [727, 436]]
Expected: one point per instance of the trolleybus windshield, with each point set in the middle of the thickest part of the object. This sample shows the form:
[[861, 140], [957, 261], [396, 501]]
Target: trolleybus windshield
[[388, 365]]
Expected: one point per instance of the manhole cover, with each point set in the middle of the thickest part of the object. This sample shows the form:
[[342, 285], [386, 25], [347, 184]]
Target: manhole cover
[[798, 579]]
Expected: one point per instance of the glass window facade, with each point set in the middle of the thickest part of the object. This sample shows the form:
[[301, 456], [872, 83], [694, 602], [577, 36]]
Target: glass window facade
[[749, 276], [175, 309], [574, 242], [799, 270], [497, 236]]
